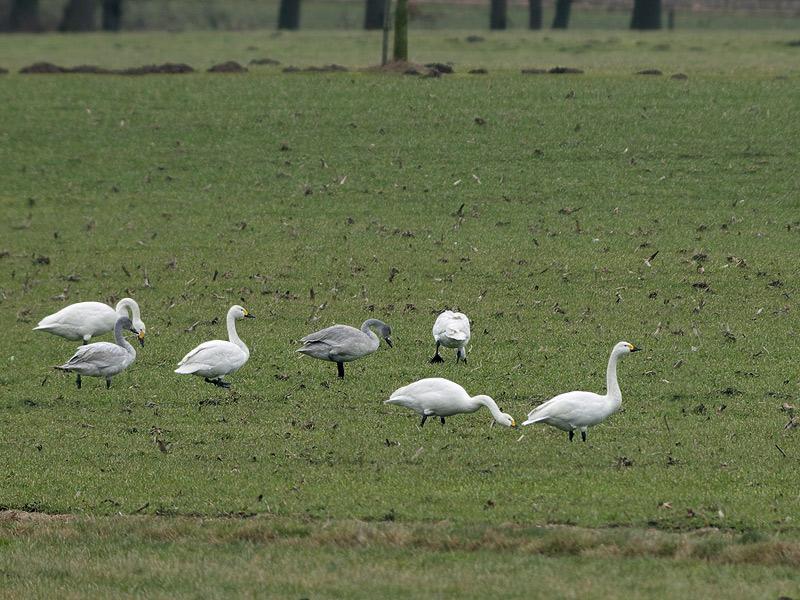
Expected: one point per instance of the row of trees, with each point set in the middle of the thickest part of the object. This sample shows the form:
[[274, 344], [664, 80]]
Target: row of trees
[[80, 15]]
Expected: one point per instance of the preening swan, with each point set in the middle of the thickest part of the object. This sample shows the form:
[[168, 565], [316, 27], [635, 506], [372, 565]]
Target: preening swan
[[84, 320], [342, 343], [581, 410], [217, 358], [438, 397], [103, 359], [451, 330]]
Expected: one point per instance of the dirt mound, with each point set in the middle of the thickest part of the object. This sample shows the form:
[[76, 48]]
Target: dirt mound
[[3, 71], [565, 70], [679, 76], [165, 69], [92, 69], [649, 72], [442, 68], [230, 66], [265, 61], [332, 68], [42, 67], [474, 39]]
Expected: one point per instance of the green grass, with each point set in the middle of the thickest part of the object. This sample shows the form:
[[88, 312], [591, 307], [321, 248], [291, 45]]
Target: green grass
[[284, 184]]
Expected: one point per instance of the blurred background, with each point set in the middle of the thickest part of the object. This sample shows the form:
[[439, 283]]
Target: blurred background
[[183, 15]]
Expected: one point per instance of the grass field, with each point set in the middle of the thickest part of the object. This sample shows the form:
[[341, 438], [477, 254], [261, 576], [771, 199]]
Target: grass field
[[299, 196]]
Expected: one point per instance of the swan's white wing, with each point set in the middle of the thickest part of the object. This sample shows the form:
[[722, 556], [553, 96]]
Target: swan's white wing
[[453, 326], [572, 409], [217, 355], [434, 395], [80, 319]]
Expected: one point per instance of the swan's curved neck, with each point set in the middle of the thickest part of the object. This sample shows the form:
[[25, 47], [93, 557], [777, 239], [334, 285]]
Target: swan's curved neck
[[366, 327], [120, 339], [233, 336], [612, 386], [491, 405], [127, 304]]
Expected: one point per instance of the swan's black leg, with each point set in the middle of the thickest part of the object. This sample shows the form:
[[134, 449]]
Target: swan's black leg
[[78, 381], [424, 418], [436, 357], [108, 382], [583, 435], [340, 370], [442, 420], [571, 435], [223, 384], [207, 380]]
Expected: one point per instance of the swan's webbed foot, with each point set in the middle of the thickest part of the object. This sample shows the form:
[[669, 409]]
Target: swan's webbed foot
[[218, 382], [424, 418], [436, 358], [571, 435], [583, 435], [340, 370], [78, 381]]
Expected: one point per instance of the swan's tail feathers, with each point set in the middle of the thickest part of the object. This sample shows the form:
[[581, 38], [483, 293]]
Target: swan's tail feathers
[[398, 399], [456, 334], [64, 367], [532, 418], [186, 369]]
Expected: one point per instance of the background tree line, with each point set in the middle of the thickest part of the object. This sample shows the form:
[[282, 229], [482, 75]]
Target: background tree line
[[108, 15]]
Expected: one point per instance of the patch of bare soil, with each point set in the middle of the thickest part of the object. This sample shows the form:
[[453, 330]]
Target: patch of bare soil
[[332, 68], [265, 61], [230, 66], [679, 76], [649, 72], [22, 516], [3, 71]]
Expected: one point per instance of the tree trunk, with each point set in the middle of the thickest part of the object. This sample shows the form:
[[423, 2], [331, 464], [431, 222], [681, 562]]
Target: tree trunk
[[534, 14], [289, 15], [78, 16], [646, 14], [112, 15], [373, 17], [561, 20], [497, 14], [401, 31], [24, 16]]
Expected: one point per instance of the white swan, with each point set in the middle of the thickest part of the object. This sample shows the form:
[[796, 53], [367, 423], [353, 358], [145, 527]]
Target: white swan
[[103, 359], [84, 320], [451, 330], [581, 410], [217, 358], [438, 397], [342, 343]]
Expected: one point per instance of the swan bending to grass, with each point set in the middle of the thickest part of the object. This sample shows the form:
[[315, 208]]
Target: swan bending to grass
[[581, 410], [214, 359], [439, 397], [342, 343], [84, 320], [451, 330], [103, 359]]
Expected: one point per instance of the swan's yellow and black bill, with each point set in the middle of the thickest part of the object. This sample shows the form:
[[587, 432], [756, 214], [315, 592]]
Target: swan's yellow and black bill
[[247, 314], [140, 337], [635, 348]]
